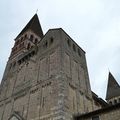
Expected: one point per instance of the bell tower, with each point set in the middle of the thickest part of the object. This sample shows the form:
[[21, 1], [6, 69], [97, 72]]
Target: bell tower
[[28, 37]]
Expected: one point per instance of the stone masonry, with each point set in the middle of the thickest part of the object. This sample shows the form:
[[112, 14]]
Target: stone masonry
[[46, 77]]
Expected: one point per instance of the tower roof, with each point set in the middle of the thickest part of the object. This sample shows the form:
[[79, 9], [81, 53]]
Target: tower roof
[[33, 25], [113, 88]]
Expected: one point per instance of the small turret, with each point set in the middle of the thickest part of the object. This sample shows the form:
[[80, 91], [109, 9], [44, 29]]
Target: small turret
[[113, 90]]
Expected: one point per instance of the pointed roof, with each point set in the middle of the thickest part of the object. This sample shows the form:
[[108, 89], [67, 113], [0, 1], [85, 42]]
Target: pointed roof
[[113, 88], [33, 25]]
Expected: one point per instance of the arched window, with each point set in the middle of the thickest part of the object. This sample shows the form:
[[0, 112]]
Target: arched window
[[28, 46], [33, 52], [45, 44], [110, 102], [31, 38], [51, 40], [21, 39], [17, 42], [74, 48], [79, 53], [25, 36], [68, 42], [36, 41], [115, 101], [19, 62], [119, 100]]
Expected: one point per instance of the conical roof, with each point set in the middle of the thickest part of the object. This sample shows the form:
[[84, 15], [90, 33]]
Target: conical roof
[[33, 25], [113, 88]]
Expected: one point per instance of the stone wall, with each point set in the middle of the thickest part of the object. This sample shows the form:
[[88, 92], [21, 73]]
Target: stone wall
[[78, 97], [52, 83]]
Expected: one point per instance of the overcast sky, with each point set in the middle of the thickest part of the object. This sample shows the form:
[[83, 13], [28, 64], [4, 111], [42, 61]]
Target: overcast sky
[[93, 24]]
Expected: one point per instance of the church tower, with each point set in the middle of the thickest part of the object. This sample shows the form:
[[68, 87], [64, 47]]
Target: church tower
[[113, 90], [46, 77]]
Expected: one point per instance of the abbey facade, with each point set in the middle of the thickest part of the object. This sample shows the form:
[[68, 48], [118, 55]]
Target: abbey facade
[[46, 78]]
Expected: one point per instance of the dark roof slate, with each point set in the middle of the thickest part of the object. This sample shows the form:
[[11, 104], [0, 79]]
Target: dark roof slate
[[33, 25], [113, 88]]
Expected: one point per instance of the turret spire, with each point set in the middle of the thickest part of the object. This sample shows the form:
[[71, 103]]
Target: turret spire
[[113, 88], [33, 25]]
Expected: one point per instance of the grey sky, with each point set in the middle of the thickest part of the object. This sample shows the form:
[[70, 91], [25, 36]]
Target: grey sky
[[93, 24]]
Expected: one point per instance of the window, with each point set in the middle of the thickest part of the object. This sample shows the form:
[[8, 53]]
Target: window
[[25, 36], [21, 39], [36, 41], [43, 101], [21, 45], [45, 44], [51, 40], [115, 101], [95, 118], [74, 47], [68, 42], [33, 53], [31, 38], [119, 100], [79, 53], [19, 62], [17, 42], [28, 46], [110, 102]]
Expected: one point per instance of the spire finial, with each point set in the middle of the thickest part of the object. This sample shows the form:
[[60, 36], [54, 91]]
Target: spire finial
[[36, 11]]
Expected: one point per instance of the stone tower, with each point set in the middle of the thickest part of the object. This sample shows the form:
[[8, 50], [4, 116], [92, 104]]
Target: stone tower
[[46, 77], [113, 90]]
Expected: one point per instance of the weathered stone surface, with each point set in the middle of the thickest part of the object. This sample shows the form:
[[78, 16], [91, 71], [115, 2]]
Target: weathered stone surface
[[48, 80]]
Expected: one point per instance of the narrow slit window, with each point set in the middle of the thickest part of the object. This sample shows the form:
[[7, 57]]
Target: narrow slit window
[[74, 48]]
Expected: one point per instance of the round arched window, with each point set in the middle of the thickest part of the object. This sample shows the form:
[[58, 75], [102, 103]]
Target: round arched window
[[36, 41], [31, 38], [28, 46], [25, 36]]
